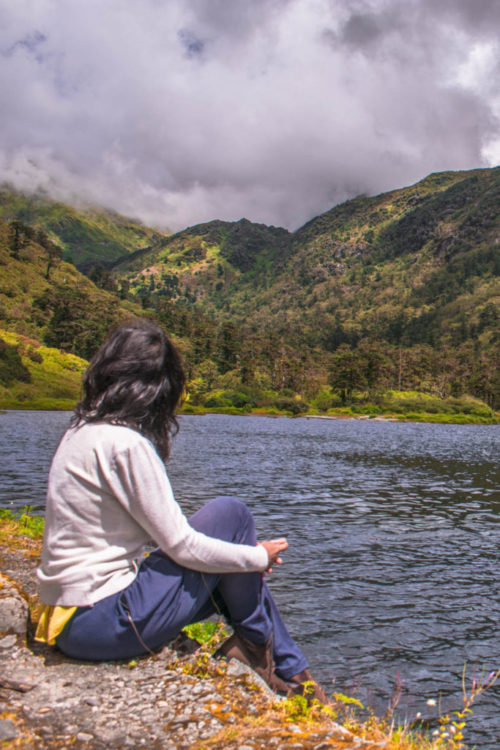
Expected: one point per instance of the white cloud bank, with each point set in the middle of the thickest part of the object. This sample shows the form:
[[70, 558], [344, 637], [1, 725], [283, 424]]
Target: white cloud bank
[[182, 111]]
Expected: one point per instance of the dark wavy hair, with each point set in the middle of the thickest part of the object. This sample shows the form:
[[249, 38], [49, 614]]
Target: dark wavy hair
[[135, 379]]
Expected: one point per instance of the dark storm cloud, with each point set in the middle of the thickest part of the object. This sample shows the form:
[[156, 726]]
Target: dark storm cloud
[[183, 111], [361, 30], [481, 15]]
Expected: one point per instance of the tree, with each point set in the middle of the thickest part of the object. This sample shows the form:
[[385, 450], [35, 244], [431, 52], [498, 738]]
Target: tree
[[228, 347], [11, 365], [377, 367], [16, 238], [102, 278], [347, 373], [20, 235], [78, 323], [53, 251]]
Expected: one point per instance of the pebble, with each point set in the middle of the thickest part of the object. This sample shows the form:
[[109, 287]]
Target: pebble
[[84, 737]]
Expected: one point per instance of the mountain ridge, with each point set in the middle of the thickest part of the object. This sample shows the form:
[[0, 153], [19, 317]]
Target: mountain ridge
[[405, 283]]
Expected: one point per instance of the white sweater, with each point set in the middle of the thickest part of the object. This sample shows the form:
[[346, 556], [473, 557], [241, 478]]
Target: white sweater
[[108, 496]]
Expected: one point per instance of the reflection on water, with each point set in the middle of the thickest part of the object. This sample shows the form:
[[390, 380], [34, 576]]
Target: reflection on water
[[394, 539]]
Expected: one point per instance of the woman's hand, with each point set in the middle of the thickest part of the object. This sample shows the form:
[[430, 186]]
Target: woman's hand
[[273, 548]]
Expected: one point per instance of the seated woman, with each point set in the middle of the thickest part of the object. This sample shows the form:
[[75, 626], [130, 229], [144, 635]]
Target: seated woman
[[109, 496]]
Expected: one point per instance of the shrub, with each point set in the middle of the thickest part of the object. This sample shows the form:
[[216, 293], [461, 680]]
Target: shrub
[[469, 406], [292, 405], [325, 400], [228, 398], [216, 400], [11, 365], [238, 399], [34, 355]]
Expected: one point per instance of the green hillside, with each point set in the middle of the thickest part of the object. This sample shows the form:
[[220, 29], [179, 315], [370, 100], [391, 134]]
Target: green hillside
[[402, 290], [86, 236], [36, 376], [382, 304], [52, 319], [47, 299], [414, 266]]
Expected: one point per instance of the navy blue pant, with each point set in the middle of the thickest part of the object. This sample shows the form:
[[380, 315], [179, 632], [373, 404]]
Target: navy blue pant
[[165, 597]]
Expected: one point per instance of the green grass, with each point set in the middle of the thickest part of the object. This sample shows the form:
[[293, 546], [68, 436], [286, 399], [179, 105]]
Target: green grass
[[397, 405], [37, 404], [21, 523], [415, 406], [55, 377], [205, 632]]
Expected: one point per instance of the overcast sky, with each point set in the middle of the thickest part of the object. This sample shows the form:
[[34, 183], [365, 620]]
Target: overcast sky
[[182, 111]]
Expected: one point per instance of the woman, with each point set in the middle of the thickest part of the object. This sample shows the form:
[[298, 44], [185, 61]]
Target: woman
[[109, 496]]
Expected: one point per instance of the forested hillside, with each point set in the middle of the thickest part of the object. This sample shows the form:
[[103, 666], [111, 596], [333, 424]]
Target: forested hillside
[[86, 236], [49, 312], [48, 299], [397, 292]]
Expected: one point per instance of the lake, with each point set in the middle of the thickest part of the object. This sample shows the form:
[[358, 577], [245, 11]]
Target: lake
[[391, 580]]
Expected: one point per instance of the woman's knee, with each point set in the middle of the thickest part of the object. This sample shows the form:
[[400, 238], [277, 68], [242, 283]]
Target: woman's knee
[[235, 511], [239, 517], [227, 518], [232, 506]]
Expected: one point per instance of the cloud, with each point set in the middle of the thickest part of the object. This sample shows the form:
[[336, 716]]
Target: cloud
[[182, 111]]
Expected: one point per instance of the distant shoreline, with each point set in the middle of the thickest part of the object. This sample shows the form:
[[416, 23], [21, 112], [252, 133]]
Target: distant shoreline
[[421, 417]]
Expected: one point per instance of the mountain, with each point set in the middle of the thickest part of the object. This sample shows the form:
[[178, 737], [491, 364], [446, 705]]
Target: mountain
[[87, 236], [416, 265], [397, 291], [52, 319]]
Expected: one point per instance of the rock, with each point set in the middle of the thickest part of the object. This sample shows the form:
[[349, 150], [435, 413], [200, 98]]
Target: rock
[[13, 611], [110, 736], [237, 669], [8, 641], [8, 730]]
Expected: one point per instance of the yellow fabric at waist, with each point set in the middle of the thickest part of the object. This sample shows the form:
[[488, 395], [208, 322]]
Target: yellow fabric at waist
[[52, 621]]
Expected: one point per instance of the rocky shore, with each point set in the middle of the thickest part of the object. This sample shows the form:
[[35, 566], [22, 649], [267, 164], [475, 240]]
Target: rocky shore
[[174, 700]]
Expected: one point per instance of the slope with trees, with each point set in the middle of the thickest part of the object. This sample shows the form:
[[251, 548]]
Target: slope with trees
[[411, 276], [87, 236], [381, 295]]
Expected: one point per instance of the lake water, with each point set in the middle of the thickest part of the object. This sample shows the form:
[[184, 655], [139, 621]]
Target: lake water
[[391, 581]]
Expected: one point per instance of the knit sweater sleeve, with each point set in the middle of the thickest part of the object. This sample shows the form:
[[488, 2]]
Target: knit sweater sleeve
[[140, 483]]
